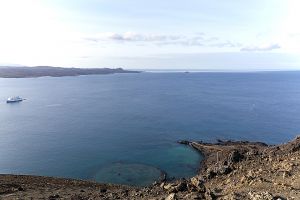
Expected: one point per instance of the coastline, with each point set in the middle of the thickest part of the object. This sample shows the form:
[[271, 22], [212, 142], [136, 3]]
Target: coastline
[[49, 71], [229, 170]]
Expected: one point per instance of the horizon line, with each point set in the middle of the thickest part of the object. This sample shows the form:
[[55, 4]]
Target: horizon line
[[166, 70]]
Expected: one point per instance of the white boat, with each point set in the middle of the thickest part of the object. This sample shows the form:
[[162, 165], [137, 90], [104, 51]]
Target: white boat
[[14, 99]]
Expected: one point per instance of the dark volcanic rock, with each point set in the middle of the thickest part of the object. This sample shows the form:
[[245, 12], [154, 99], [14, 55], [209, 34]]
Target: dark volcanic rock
[[236, 156], [183, 142]]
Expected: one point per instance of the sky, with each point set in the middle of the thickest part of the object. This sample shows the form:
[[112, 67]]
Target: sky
[[136, 34]]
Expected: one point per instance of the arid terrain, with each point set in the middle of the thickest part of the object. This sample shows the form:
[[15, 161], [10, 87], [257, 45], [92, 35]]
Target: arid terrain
[[230, 170]]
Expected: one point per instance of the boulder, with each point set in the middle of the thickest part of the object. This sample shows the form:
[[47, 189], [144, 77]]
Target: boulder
[[210, 173], [198, 184], [260, 196], [171, 196], [168, 186], [235, 156], [224, 170], [194, 195], [209, 195], [182, 186], [173, 187]]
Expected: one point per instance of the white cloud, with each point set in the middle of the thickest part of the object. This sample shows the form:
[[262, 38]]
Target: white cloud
[[132, 37], [294, 35], [268, 47], [198, 39]]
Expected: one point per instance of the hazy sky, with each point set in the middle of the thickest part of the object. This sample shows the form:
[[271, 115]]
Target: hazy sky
[[161, 34]]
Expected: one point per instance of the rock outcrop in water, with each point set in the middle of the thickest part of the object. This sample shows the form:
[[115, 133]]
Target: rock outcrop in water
[[230, 170]]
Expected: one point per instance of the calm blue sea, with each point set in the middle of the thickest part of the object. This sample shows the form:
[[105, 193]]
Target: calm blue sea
[[123, 128]]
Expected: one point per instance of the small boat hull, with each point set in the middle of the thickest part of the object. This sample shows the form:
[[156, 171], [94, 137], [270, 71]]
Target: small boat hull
[[14, 101]]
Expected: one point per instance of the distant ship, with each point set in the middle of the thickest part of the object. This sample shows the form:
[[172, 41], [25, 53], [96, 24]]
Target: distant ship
[[14, 99]]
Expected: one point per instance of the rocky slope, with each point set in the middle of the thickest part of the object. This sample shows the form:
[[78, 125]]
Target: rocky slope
[[230, 170]]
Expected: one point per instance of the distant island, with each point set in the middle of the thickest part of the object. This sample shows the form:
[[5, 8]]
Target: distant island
[[39, 71]]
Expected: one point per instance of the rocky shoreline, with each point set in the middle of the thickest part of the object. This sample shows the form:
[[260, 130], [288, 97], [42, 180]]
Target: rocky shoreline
[[229, 170]]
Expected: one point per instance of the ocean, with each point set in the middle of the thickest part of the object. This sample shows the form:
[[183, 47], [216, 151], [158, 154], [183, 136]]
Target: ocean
[[123, 128]]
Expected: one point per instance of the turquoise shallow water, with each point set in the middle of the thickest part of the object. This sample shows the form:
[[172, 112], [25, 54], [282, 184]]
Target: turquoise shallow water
[[128, 173], [113, 127]]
